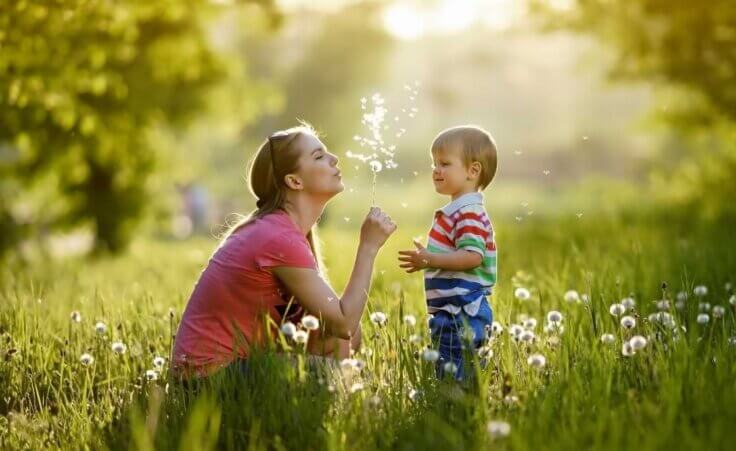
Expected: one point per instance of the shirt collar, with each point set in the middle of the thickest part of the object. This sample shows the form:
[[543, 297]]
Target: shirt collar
[[460, 202]]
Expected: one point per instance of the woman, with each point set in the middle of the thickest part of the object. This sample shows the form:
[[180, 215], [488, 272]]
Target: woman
[[270, 257]]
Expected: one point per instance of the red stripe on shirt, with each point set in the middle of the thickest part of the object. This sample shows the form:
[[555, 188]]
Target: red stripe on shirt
[[437, 236], [473, 231]]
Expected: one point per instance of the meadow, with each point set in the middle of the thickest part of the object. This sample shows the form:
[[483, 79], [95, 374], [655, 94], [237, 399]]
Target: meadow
[[85, 348]]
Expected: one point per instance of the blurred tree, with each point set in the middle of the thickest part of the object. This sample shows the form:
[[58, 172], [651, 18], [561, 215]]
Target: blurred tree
[[82, 84], [680, 44]]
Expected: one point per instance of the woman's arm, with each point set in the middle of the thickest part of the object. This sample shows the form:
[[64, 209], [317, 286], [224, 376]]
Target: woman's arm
[[341, 316]]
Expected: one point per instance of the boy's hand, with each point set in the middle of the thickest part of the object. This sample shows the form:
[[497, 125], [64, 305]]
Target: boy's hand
[[414, 260]]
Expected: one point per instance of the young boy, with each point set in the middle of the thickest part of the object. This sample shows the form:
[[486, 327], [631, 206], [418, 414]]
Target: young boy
[[460, 257]]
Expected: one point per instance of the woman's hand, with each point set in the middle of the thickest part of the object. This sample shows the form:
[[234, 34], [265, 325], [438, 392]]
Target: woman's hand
[[376, 229]]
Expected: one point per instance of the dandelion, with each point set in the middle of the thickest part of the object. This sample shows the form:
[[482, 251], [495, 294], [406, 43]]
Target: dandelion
[[86, 359], [119, 348], [704, 306], [571, 296], [554, 316], [732, 300], [703, 318], [496, 328], [450, 368], [431, 355], [485, 352], [536, 361], [680, 305], [76, 316], [498, 429], [700, 291], [158, 362], [101, 328], [629, 303], [638, 342], [663, 304], [300, 336], [718, 311], [378, 318], [410, 320], [732, 341], [530, 323], [151, 375], [356, 387], [515, 330], [682, 296], [288, 329], [310, 322], [415, 339], [608, 339], [584, 298], [349, 365], [627, 350], [628, 322], [554, 328], [522, 294], [527, 336], [617, 309], [413, 394], [728, 287]]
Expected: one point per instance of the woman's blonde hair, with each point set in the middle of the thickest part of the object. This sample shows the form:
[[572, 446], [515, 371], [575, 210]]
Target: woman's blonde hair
[[277, 156]]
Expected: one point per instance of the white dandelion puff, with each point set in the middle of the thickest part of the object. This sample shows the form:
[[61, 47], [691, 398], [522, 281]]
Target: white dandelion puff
[[571, 296], [703, 318], [357, 387], [718, 311], [629, 303], [378, 318], [310, 322], [522, 294], [628, 322], [700, 291], [86, 359], [530, 323], [498, 429], [536, 361], [410, 320], [151, 375], [663, 304], [732, 300], [76, 316], [415, 339], [496, 328], [119, 347], [101, 328], [608, 339], [527, 336], [515, 330], [450, 368], [617, 309], [158, 362], [704, 306], [627, 350], [300, 336], [288, 329], [554, 316], [682, 296], [431, 355], [638, 342]]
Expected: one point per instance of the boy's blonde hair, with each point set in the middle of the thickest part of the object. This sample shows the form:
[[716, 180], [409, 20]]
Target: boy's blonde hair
[[476, 144]]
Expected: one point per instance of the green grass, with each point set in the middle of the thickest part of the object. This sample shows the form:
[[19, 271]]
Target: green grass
[[675, 393]]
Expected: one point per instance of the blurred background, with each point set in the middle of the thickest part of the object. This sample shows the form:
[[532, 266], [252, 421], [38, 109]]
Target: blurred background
[[131, 119]]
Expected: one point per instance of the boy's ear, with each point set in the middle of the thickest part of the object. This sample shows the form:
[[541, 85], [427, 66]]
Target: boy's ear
[[293, 182], [475, 169]]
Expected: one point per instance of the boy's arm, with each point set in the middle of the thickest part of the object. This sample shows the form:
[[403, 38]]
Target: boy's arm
[[459, 260]]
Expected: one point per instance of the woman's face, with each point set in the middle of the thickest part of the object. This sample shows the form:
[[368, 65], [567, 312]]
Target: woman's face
[[318, 169]]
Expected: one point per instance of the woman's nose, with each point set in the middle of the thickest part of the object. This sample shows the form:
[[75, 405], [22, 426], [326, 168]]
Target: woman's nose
[[334, 160]]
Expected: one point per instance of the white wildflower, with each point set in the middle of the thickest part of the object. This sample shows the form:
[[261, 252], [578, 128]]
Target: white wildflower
[[101, 328], [119, 347], [530, 323], [288, 329], [76, 316], [300, 336], [628, 322], [378, 318], [703, 318], [629, 303], [515, 330], [627, 350], [554, 316], [522, 294], [638, 342], [310, 322], [704, 306], [527, 336], [151, 375], [86, 359], [718, 311], [496, 328], [682, 296], [617, 309], [356, 387], [732, 300], [450, 368], [663, 304], [158, 362]]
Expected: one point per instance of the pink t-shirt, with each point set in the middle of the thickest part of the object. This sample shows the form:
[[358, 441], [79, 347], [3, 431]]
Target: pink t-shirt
[[225, 312]]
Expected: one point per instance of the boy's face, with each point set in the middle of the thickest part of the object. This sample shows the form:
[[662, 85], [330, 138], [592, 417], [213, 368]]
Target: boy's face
[[449, 173]]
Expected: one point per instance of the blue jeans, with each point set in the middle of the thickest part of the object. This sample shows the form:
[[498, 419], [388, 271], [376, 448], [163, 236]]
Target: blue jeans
[[457, 335]]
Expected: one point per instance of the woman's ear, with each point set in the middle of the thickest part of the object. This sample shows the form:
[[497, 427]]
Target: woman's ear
[[293, 181]]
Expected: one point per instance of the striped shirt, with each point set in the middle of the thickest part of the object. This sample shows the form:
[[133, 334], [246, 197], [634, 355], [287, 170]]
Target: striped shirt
[[461, 224]]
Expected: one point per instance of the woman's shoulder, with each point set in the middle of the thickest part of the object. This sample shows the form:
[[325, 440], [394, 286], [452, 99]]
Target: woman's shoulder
[[270, 227]]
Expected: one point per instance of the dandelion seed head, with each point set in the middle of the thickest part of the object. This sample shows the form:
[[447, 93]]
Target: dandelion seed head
[[536, 361], [151, 375], [450, 368], [527, 336], [410, 320], [700, 291], [608, 339], [522, 294], [76, 316], [638, 342], [310, 322], [378, 318], [571, 296], [554, 316], [718, 311], [119, 347], [415, 339], [86, 359], [496, 328], [100, 328], [356, 387], [627, 350], [300, 336], [516, 330], [529, 323], [732, 300], [663, 304], [628, 322], [704, 306], [288, 329], [498, 429], [629, 303], [158, 362], [430, 355], [617, 309], [703, 318]]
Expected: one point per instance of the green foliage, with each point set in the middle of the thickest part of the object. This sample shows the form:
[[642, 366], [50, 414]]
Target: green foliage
[[675, 393], [82, 84]]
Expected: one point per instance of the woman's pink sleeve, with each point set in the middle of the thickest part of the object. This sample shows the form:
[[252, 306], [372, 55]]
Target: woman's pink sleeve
[[291, 249]]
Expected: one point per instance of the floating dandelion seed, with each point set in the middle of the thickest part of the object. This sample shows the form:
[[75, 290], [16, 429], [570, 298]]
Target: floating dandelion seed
[[608, 339], [300, 336], [517, 152], [536, 361], [76, 316], [158, 362], [346, 219], [119, 348], [522, 294], [404, 205], [617, 309], [101, 328], [498, 429], [628, 322], [86, 359], [410, 320], [554, 316], [151, 375], [571, 296], [288, 329], [579, 215], [546, 172], [700, 291], [703, 318], [378, 318], [310, 322], [638, 342], [431, 355]]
